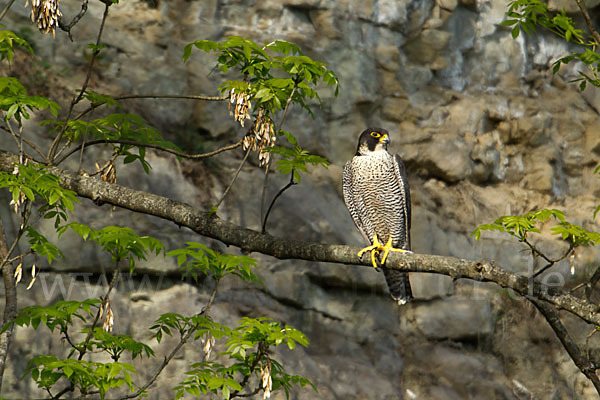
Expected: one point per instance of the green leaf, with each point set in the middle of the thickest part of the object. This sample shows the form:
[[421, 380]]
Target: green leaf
[[515, 32]]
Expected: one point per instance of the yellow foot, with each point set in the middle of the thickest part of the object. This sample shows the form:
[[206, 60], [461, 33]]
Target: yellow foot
[[388, 247], [377, 247]]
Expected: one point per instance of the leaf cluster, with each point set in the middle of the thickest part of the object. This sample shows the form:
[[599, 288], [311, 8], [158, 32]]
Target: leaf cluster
[[57, 316], [8, 40], [272, 72], [530, 14], [47, 370], [520, 226], [116, 126], [15, 103], [167, 323], [198, 259], [121, 242], [116, 345], [33, 181], [295, 159], [42, 246], [246, 347]]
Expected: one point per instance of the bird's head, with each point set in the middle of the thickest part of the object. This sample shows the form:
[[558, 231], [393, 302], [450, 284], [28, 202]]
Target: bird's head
[[372, 139]]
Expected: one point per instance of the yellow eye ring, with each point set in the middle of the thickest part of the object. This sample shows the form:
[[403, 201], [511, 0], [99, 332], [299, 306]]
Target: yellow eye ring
[[375, 134]]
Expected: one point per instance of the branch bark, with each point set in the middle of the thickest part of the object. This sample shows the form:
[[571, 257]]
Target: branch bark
[[588, 21], [210, 225], [583, 363], [10, 301]]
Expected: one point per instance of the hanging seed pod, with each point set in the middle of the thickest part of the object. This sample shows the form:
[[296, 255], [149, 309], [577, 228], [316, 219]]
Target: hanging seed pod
[[241, 104], [45, 14]]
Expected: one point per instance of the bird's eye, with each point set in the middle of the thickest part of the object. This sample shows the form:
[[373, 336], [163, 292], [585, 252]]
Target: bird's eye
[[375, 134]]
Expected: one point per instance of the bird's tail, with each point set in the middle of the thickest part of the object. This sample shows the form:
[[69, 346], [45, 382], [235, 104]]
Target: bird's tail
[[399, 285]]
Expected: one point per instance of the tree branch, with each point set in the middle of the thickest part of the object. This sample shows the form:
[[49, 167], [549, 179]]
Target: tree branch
[[151, 146], [588, 21], [175, 350], [56, 141], [5, 9], [584, 365], [283, 189], [157, 96], [235, 175], [10, 302], [210, 225], [67, 27]]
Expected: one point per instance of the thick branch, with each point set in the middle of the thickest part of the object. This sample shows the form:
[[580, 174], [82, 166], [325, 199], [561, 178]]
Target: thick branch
[[10, 302], [210, 225]]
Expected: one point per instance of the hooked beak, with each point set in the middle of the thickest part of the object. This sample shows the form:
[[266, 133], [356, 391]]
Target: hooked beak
[[385, 139]]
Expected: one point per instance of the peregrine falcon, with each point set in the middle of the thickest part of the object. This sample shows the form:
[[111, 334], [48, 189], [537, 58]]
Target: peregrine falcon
[[377, 196]]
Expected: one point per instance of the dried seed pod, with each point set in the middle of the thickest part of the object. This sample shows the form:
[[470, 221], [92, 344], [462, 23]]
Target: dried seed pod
[[108, 319], [45, 14], [241, 104], [18, 272], [267, 382], [209, 343], [33, 276]]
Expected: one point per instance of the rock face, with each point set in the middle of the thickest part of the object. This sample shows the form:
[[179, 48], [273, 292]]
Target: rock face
[[484, 127]]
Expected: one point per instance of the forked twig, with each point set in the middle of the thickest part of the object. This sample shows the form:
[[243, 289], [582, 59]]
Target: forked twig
[[67, 27]]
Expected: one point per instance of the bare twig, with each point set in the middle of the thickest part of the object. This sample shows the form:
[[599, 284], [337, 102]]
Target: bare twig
[[283, 189], [18, 137], [551, 261], [173, 96], [588, 21], [237, 172], [67, 27], [82, 145], [150, 146], [584, 365], [266, 181], [157, 96], [263, 197], [5, 9], [77, 99], [14, 135]]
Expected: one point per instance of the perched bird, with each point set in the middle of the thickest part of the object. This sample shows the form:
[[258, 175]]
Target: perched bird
[[377, 196]]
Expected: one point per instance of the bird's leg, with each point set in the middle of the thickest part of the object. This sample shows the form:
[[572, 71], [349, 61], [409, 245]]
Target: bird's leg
[[388, 247], [374, 249]]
